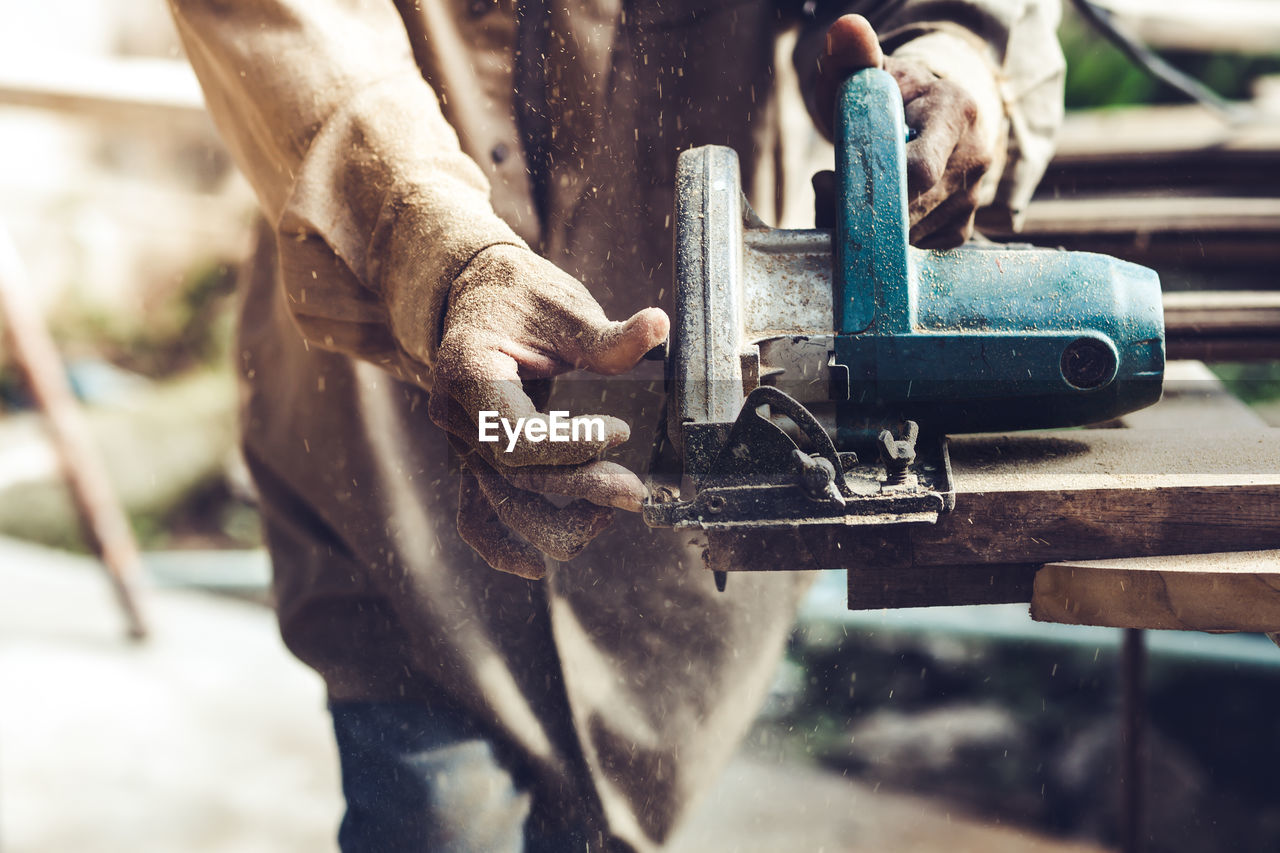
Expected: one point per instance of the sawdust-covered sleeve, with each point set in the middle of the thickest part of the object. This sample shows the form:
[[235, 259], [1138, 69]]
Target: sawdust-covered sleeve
[[1007, 56], [375, 208]]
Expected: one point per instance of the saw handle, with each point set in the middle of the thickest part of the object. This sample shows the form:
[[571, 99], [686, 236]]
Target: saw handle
[[870, 272]]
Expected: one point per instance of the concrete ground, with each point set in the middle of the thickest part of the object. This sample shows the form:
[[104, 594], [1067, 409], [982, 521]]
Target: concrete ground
[[210, 737]]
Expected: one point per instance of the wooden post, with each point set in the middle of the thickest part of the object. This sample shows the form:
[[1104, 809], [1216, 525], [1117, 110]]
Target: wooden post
[[105, 525], [1133, 723]]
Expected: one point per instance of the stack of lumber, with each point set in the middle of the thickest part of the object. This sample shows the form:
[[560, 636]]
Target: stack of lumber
[[1173, 188]]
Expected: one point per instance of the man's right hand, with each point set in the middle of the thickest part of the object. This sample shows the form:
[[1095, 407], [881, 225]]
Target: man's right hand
[[513, 321], [946, 161]]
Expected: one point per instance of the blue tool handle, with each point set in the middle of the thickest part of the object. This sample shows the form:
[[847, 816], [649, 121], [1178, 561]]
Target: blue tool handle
[[871, 276]]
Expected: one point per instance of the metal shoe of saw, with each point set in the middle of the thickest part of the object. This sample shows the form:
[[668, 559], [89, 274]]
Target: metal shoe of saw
[[813, 375]]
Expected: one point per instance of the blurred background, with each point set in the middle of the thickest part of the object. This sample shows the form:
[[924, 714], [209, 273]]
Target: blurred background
[[947, 728]]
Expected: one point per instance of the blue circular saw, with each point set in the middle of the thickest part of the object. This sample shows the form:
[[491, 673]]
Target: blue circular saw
[[814, 374]]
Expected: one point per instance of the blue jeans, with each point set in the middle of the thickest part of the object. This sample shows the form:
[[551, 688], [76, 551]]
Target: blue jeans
[[418, 779]]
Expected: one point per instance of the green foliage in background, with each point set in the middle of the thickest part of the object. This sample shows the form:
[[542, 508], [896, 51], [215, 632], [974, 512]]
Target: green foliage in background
[[1099, 75], [1256, 382], [182, 326], [165, 433]]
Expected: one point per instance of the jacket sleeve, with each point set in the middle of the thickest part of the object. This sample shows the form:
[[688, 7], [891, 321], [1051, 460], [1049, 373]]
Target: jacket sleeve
[[374, 206], [1004, 52]]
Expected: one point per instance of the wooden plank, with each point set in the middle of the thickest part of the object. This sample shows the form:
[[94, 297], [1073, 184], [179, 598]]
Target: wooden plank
[[1124, 461], [1235, 26], [1223, 325], [1144, 132], [1048, 497], [1229, 240], [1096, 494], [1222, 350], [1188, 260], [1203, 592], [1107, 190], [127, 90], [105, 524], [1225, 309], [1154, 213]]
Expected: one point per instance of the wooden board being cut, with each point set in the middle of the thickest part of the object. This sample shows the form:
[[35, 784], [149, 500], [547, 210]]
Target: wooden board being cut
[[1201, 592], [1137, 525], [1044, 497]]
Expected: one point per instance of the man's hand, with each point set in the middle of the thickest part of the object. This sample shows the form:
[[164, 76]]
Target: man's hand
[[948, 157], [514, 320]]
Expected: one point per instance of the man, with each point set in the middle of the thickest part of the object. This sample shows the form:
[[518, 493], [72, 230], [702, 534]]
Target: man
[[459, 194]]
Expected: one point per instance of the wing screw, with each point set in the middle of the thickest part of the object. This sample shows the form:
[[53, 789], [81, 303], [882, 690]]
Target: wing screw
[[898, 454], [817, 477]]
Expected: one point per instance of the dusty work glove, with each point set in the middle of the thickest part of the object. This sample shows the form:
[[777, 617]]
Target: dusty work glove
[[951, 151], [513, 321]]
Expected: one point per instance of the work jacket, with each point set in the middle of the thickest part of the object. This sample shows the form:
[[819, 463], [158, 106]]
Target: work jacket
[[389, 143]]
